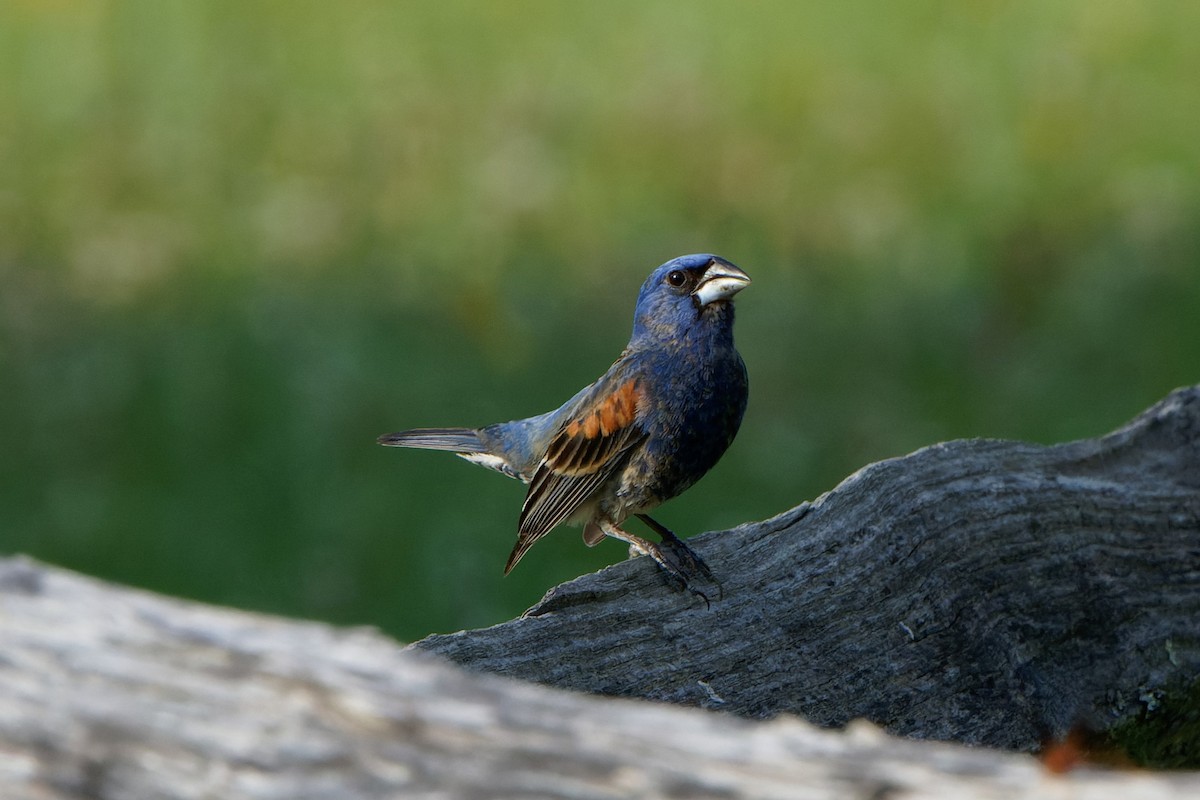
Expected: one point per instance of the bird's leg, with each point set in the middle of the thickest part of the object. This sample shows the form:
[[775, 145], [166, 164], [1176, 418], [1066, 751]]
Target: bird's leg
[[681, 566], [681, 551]]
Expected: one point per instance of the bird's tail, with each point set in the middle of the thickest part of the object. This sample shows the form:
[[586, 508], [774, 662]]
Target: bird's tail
[[456, 440]]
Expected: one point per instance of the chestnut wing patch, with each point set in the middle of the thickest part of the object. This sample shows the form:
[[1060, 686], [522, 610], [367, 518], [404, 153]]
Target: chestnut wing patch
[[585, 453], [586, 443]]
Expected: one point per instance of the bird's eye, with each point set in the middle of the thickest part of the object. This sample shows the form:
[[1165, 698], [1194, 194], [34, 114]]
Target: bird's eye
[[676, 278]]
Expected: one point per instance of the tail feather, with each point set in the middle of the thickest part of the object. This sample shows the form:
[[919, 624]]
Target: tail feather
[[456, 440]]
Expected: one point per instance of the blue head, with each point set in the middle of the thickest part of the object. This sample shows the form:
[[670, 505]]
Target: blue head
[[686, 291]]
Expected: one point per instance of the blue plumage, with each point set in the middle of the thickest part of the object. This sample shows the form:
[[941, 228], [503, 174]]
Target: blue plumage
[[649, 428]]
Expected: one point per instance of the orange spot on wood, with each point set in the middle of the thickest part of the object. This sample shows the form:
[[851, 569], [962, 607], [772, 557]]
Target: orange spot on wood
[[1063, 756], [1081, 747]]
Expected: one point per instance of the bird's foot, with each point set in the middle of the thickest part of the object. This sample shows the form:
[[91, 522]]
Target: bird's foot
[[684, 569], [681, 563]]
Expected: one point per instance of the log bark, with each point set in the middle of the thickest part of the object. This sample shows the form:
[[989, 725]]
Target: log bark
[[108, 693], [987, 592], [980, 591]]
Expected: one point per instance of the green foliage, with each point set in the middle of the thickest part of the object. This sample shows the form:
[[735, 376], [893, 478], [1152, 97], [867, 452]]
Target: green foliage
[[241, 240], [1166, 734]]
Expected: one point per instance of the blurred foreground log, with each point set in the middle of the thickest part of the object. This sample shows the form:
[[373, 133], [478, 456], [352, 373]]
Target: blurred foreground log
[[980, 591], [988, 592], [108, 693]]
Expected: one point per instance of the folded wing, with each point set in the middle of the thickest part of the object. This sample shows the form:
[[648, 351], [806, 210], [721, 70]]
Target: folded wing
[[588, 450]]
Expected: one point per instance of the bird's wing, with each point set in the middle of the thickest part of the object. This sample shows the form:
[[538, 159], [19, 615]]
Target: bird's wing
[[586, 451]]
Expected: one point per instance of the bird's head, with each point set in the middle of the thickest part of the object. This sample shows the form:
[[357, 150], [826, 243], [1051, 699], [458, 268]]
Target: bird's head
[[684, 291]]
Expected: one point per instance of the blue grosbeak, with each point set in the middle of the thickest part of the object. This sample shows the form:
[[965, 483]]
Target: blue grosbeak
[[649, 428]]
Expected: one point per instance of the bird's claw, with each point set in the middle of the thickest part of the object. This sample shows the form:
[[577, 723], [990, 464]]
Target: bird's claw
[[680, 562], [683, 568]]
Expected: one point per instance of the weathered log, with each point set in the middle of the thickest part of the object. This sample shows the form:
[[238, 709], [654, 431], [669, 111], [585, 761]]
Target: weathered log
[[980, 591], [987, 592], [108, 693]]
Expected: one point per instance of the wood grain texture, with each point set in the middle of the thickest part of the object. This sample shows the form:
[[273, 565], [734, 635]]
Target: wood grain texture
[[986, 592]]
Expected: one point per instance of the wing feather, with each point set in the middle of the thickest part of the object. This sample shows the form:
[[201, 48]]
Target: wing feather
[[586, 452]]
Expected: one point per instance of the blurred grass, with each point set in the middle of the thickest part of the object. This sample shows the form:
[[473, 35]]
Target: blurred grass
[[239, 241]]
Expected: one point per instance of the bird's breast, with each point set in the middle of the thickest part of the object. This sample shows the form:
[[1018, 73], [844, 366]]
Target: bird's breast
[[694, 414]]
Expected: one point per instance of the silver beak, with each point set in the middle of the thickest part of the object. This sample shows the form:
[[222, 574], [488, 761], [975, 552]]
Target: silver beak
[[720, 281]]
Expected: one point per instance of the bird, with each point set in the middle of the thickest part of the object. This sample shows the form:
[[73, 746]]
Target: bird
[[651, 426]]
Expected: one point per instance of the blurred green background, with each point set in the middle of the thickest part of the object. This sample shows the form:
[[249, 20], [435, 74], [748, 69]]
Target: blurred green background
[[240, 240]]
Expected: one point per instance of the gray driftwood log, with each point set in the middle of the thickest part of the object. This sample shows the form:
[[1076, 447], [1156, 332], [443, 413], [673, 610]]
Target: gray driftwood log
[[986, 592], [109, 693], [980, 591]]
